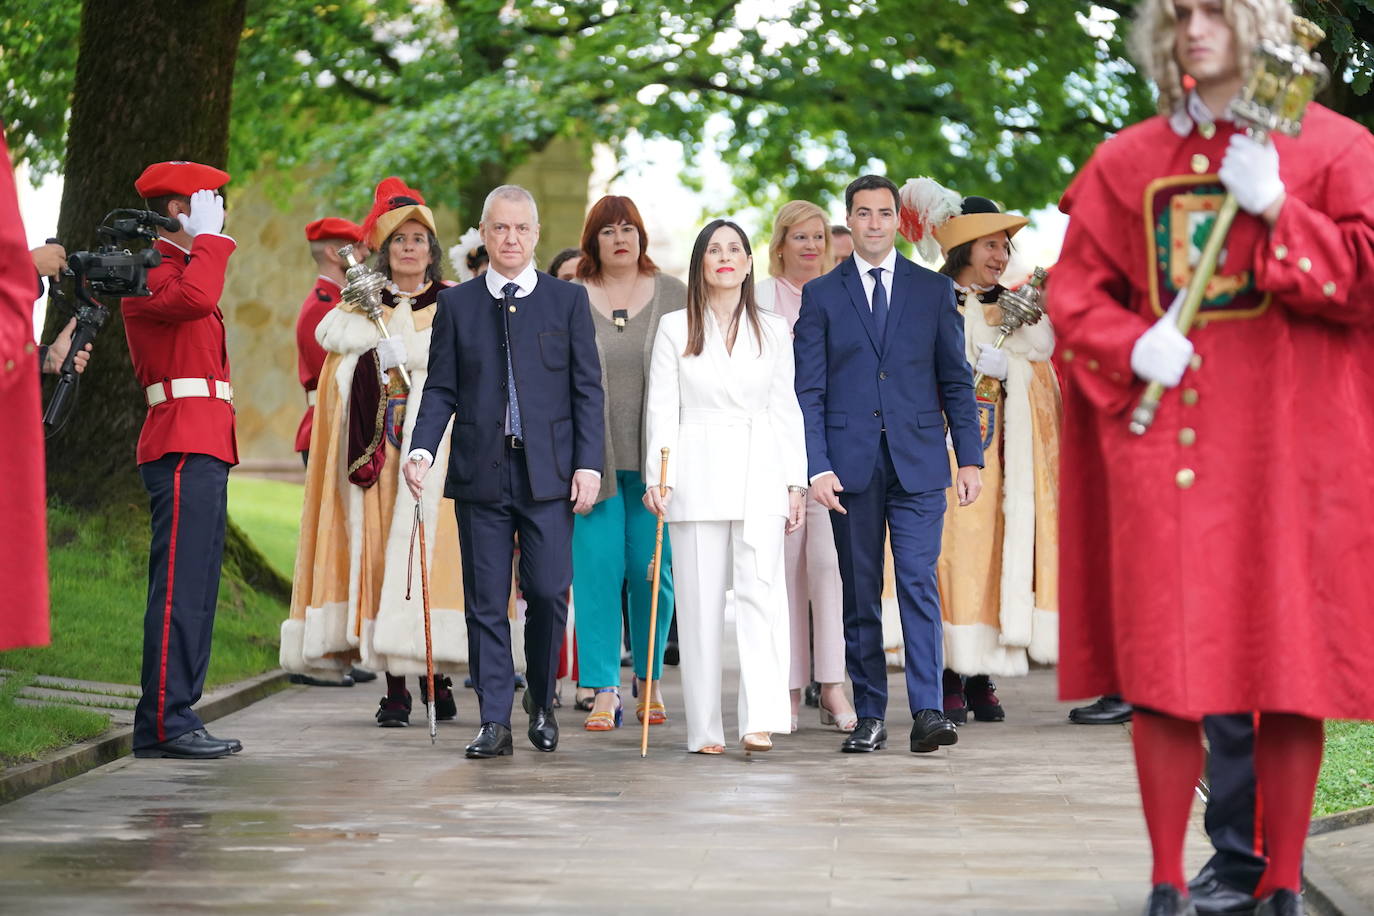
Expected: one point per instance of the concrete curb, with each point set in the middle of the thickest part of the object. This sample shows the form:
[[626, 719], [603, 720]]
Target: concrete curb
[[1323, 892], [16, 782]]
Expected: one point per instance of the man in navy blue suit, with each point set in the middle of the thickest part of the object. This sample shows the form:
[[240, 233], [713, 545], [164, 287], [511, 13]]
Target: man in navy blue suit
[[880, 371], [513, 362]]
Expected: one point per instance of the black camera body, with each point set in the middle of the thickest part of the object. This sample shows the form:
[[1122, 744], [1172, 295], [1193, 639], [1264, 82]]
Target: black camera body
[[110, 270]]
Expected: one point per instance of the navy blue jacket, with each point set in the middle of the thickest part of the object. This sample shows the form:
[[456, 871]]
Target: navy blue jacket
[[850, 390], [557, 380]]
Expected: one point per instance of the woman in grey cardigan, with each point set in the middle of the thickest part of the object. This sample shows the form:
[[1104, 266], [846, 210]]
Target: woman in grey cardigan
[[614, 544]]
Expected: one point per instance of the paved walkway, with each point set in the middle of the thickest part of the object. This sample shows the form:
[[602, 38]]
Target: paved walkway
[[325, 813]]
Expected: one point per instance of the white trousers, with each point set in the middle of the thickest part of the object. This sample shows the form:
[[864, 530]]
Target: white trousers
[[707, 558]]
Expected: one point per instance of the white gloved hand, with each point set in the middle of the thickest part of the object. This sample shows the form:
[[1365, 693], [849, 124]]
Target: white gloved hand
[[992, 362], [391, 352], [1250, 171], [1161, 354], [206, 216]]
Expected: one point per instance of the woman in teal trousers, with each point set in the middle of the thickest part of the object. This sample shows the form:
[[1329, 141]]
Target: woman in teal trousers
[[613, 545]]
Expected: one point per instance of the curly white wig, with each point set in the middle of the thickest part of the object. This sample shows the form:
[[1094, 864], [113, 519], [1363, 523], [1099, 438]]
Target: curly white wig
[[468, 242]]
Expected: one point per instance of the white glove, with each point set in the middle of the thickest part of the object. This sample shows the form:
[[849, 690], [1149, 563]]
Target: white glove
[[992, 362], [1250, 171], [1161, 354], [206, 216], [391, 352]]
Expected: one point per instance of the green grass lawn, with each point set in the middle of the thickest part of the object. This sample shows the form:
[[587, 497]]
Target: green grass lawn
[[1347, 779], [98, 567]]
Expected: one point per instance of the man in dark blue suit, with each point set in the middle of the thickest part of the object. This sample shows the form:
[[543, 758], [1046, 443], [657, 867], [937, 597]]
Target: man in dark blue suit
[[880, 371], [513, 362]]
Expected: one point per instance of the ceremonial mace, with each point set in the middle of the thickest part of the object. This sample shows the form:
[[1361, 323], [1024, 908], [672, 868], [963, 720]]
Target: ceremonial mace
[[419, 526], [653, 602], [363, 293], [1274, 100], [1020, 307]]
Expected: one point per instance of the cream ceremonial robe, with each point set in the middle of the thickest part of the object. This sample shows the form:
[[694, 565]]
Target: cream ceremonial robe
[[734, 430], [349, 596]]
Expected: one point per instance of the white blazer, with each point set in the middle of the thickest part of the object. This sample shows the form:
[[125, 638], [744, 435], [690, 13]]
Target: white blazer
[[731, 421]]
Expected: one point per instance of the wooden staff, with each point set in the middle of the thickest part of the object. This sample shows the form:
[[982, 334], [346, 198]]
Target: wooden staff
[[419, 526], [653, 602]]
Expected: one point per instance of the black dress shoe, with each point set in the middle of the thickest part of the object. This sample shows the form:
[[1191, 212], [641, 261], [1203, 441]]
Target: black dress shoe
[[1282, 902], [1212, 895], [932, 731], [394, 711], [1167, 900], [955, 703], [981, 694], [493, 740], [361, 675], [445, 706], [190, 746], [1109, 710], [543, 729], [869, 735], [311, 681], [234, 744], [811, 696]]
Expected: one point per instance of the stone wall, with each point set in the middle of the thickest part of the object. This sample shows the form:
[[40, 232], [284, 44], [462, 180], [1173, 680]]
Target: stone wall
[[272, 272]]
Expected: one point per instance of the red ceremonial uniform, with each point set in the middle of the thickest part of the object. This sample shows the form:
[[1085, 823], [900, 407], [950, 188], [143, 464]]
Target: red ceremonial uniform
[[178, 333], [1222, 561], [24, 561], [310, 355]]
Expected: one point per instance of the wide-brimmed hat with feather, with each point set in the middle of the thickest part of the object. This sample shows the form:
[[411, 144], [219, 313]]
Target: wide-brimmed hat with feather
[[393, 204], [937, 219]]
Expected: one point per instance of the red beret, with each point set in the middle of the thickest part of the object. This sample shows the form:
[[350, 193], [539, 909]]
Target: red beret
[[331, 227], [178, 177]]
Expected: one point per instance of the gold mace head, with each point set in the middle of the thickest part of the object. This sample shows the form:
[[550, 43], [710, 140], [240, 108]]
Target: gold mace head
[[1286, 78], [363, 291], [1024, 305]]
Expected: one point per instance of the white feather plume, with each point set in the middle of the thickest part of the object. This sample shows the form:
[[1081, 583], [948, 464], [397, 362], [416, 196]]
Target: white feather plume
[[468, 242], [926, 206]]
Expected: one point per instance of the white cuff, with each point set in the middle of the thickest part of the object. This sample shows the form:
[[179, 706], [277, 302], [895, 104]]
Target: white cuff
[[816, 477], [418, 453], [588, 471]]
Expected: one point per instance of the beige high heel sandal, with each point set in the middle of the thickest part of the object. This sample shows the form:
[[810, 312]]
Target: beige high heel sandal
[[756, 741]]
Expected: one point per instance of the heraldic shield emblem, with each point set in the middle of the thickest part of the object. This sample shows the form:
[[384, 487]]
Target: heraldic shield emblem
[[1179, 213]]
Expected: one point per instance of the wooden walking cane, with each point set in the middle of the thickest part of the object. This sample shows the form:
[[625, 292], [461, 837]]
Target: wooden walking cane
[[419, 526], [653, 603]]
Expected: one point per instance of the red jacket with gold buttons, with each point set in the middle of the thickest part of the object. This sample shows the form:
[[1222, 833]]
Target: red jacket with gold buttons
[[1222, 561], [178, 332], [309, 354]]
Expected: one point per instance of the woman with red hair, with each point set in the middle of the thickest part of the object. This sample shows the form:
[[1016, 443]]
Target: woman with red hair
[[614, 544]]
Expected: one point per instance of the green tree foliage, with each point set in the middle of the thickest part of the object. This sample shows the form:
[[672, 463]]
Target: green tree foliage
[[796, 96]]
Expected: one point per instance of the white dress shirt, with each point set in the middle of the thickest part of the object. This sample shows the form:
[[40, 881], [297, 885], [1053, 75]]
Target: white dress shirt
[[888, 265]]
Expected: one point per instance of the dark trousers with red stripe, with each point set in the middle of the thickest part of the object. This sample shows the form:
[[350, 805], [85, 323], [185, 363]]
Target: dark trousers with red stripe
[[1231, 817], [188, 496]]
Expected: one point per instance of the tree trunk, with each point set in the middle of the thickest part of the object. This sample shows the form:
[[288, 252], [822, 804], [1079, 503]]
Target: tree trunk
[[153, 82]]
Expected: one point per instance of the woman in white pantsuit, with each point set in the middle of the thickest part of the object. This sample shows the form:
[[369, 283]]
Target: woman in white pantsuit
[[720, 397]]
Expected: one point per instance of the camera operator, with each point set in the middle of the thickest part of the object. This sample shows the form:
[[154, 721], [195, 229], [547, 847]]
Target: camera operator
[[176, 342]]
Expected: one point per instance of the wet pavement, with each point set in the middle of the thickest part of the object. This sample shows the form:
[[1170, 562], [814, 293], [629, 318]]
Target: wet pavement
[[324, 812]]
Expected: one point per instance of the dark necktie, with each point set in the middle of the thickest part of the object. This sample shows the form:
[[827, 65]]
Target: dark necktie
[[879, 302], [512, 402]]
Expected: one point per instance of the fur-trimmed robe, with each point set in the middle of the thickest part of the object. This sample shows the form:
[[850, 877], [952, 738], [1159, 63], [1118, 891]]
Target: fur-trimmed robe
[[998, 568], [349, 597]]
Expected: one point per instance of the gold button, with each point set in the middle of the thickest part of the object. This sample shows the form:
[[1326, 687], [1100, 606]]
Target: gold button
[[1281, 252], [512, 309], [1187, 436], [9, 365], [1189, 396], [1208, 130], [1200, 163], [1116, 376], [1196, 362], [1304, 264], [1068, 356], [1093, 364], [1185, 478], [28, 347], [1329, 289]]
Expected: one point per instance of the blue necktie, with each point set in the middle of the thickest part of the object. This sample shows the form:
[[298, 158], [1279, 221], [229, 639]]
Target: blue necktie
[[512, 402], [879, 302]]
